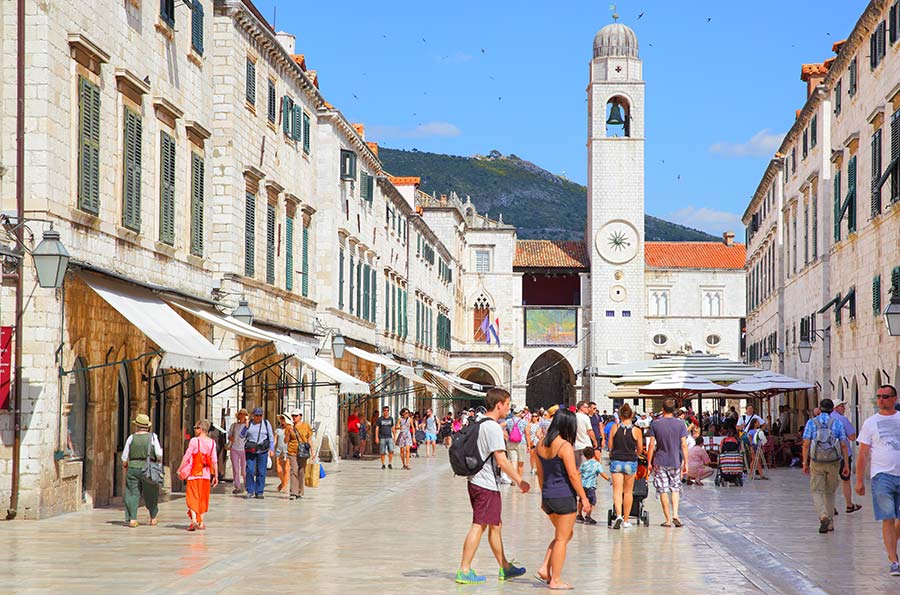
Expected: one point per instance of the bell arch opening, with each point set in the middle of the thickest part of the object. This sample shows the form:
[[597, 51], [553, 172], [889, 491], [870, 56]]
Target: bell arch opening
[[618, 117]]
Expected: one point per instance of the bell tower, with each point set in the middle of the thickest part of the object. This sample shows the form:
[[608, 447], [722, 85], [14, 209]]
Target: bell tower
[[615, 211]]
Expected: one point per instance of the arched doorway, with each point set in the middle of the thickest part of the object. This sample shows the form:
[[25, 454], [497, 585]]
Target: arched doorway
[[76, 421], [854, 403], [550, 382], [479, 376], [158, 412], [123, 413]]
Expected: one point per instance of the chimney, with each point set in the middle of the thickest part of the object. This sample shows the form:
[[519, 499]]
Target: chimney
[[287, 41], [728, 238], [374, 148], [443, 199], [360, 130], [813, 75]]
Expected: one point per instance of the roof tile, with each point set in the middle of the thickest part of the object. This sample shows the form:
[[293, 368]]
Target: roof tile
[[550, 254], [694, 255]]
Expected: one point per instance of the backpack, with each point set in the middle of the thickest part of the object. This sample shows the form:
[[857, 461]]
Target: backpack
[[515, 434], [825, 446], [465, 458]]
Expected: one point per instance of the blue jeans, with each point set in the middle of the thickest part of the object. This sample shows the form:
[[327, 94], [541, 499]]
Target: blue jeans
[[886, 496], [256, 472]]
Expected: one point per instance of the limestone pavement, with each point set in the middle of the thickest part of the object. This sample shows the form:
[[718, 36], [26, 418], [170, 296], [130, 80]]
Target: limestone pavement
[[401, 531]]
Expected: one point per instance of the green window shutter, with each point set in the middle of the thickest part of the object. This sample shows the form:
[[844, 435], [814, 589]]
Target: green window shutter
[[287, 111], [358, 310], [395, 292], [305, 133], [296, 129], [198, 198], [341, 279], [815, 229], [305, 282], [895, 281], [270, 243], [876, 295], [418, 321], [167, 189], [131, 211], [272, 103], [387, 304], [352, 285], [167, 11], [850, 206], [197, 27], [851, 89], [370, 190], [289, 253], [374, 285], [251, 82], [88, 146], [837, 206], [405, 314], [365, 284], [895, 153], [814, 131], [875, 203], [250, 235]]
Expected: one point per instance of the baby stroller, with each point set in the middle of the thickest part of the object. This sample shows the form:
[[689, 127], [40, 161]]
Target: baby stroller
[[731, 464], [640, 491]]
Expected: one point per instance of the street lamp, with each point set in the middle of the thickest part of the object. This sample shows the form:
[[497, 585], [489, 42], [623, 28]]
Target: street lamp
[[51, 259], [892, 315], [804, 349], [243, 313], [766, 362]]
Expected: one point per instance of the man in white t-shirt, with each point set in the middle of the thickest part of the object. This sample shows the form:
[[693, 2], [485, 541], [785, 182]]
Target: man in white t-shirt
[[879, 438], [484, 491], [745, 422], [584, 435]]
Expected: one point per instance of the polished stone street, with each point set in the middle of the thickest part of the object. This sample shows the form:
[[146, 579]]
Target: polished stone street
[[365, 530]]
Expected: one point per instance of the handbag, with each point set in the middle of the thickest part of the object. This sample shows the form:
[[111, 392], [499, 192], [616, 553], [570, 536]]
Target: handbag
[[258, 446], [302, 447], [153, 470], [515, 434]]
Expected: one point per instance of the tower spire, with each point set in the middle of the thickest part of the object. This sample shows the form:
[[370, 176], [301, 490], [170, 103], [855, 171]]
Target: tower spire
[[615, 15]]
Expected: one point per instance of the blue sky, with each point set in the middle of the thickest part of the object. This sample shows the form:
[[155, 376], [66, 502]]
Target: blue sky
[[465, 77]]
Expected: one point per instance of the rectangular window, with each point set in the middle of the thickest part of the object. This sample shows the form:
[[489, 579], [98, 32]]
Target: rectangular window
[[805, 234], [131, 185], [404, 303], [250, 235], [794, 160], [815, 227], [837, 98], [395, 292], [895, 156], [287, 116], [610, 313], [251, 82], [875, 201], [352, 274], [814, 131], [289, 253], [167, 189], [341, 279], [358, 310], [837, 205], [296, 128], [304, 284], [373, 281], [852, 70], [88, 146], [365, 293], [849, 206], [482, 261], [270, 243], [348, 165], [167, 11], [306, 133], [893, 25], [876, 295], [198, 198], [805, 143], [388, 303], [197, 26], [272, 103]]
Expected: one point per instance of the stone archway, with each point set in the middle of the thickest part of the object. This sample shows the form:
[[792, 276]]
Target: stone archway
[[479, 376], [551, 381]]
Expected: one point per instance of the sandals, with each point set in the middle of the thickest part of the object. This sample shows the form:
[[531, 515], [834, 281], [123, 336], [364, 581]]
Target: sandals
[[853, 508], [133, 524], [677, 522], [543, 579], [562, 587], [154, 522], [666, 524], [193, 527]]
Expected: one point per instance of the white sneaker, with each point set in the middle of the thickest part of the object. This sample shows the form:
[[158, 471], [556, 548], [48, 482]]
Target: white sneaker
[[626, 525]]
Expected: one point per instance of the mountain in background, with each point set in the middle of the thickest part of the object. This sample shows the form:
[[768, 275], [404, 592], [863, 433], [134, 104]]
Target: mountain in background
[[540, 204]]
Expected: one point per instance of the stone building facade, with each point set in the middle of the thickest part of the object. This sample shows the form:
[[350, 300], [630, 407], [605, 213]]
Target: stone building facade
[[822, 225]]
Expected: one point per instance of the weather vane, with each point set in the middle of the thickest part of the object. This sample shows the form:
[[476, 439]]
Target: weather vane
[[615, 15]]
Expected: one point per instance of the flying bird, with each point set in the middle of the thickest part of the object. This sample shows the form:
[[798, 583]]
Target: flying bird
[[640, 15], [709, 19], [354, 96], [678, 177], [482, 50], [499, 99], [423, 40]]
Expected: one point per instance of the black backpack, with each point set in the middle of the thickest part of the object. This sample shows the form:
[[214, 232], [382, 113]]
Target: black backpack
[[465, 458]]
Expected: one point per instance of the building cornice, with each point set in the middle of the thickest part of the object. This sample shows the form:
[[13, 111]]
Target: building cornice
[[334, 115]]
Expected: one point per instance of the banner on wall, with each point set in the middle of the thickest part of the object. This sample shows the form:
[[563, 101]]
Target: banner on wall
[[551, 327]]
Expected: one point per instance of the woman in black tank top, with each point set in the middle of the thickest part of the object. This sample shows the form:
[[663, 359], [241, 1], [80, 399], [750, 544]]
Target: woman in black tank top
[[627, 444]]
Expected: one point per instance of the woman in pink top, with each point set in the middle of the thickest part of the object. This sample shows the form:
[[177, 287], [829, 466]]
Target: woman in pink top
[[698, 463], [198, 469]]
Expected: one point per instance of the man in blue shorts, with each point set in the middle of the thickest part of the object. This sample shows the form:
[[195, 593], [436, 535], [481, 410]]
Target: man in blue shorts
[[384, 437], [432, 426], [879, 439]]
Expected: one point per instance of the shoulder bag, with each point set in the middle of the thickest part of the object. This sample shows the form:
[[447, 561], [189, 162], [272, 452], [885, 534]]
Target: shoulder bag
[[302, 447], [258, 445], [153, 470]]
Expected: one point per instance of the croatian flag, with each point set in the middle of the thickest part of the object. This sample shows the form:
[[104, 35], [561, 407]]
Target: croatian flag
[[490, 330]]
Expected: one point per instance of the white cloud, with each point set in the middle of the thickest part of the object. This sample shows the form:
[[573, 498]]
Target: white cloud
[[762, 144], [711, 221], [381, 132]]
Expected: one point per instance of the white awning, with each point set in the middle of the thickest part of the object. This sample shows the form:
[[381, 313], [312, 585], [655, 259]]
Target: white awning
[[347, 383], [390, 364], [446, 378], [284, 344], [462, 381], [183, 347]]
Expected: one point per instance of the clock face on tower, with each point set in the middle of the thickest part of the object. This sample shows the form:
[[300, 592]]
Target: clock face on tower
[[617, 241]]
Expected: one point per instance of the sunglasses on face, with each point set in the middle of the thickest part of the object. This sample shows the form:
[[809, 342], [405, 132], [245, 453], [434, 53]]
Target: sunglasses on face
[[885, 396]]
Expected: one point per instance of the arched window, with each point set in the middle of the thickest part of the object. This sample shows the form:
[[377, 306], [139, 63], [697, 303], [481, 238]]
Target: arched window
[[76, 425], [482, 310], [618, 117]]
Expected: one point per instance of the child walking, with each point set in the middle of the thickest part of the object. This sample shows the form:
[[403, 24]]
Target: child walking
[[589, 470]]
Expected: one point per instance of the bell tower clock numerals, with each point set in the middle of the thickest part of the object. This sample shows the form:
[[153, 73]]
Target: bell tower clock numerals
[[617, 242]]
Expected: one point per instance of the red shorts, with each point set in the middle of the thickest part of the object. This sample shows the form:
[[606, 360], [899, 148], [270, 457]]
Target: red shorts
[[485, 505]]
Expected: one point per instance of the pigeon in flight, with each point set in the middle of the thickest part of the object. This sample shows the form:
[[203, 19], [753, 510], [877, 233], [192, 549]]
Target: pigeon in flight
[[640, 15]]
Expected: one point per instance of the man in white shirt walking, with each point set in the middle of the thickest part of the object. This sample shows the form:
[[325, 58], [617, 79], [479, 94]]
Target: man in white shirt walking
[[584, 436], [879, 439]]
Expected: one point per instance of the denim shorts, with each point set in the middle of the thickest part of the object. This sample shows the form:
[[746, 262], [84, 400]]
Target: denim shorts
[[591, 494], [626, 467], [886, 496], [430, 437], [385, 445]]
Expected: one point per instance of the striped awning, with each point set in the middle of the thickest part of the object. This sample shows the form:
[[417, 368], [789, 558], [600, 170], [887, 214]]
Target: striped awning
[[711, 367]]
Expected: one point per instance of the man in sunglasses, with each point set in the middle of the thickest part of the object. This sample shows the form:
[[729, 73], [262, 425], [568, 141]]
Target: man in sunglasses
[[879, 439]]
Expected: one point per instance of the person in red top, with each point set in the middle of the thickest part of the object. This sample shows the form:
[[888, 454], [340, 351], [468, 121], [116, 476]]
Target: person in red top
[[353, 432]]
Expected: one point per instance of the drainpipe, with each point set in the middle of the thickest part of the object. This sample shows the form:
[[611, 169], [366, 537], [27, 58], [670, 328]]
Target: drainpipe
[[20, 216]]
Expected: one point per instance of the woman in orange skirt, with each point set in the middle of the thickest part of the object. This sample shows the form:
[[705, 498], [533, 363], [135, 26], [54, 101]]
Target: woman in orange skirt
[[198, 469]]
